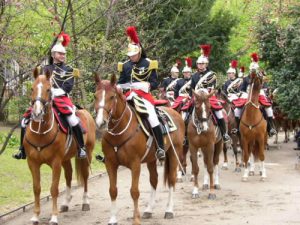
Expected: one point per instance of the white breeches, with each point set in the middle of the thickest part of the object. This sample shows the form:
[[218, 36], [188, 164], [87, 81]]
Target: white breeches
[[24, 122], [269, 111], [72, 119], [238, 112], [232, 97], [219, 114], [152, 118]]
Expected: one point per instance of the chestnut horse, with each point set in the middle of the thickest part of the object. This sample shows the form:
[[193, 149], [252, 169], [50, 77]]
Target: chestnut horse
[[232, 124], [45, 143], [253, 127], [202, 133], [125, 143]]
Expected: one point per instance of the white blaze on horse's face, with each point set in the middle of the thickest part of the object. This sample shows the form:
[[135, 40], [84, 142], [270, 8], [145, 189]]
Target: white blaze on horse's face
[[100, 116], [204, 116], [38, 107]]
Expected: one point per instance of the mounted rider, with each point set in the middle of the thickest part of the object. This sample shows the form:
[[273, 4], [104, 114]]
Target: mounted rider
[[62, 80], [168, 84], [182, 88], [232, 88], [139, 76], [205, 79], [263, 100]]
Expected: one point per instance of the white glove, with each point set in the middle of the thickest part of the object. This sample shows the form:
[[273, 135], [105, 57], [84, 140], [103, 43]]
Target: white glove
[[57, 92]]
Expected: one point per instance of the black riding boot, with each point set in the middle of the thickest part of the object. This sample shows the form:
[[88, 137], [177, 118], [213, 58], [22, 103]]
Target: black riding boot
[[21, 153], [79, 137], [100, 158], [160, 152], [237, 129], [223, 129], [298, 144], [271, 126]]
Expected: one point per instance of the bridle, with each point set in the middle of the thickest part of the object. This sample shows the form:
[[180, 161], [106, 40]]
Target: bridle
[[198, 122]]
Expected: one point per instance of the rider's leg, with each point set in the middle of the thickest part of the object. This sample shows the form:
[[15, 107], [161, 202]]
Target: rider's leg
[[270, 122], [74, 123], [154, 123], [21, 153], [237, 115], [222, 125]]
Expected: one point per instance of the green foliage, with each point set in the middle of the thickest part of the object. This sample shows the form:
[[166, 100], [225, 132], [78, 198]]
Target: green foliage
[[14, 141], [280, 47]]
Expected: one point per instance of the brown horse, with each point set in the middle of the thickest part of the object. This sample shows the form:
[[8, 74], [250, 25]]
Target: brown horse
[[202, 133], [45, 143], [125, 143], [232, 124], [253, 127]]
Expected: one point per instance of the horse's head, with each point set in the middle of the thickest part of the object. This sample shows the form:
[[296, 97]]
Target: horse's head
[[257, 78], [106, 97], [41, 94], [202, 106]]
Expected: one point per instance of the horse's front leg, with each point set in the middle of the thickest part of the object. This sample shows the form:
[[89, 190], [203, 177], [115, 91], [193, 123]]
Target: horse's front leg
[[56, 171], [208, 161], [112, 168], [134, 191], [245, 148], [153, 181], [36, 180]]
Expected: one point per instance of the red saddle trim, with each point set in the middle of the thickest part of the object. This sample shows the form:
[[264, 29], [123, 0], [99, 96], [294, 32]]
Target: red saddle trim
[[63, 104], [263, 100], [239, 103], [216, 103], [177, 102], [159, 102], [142, 94]]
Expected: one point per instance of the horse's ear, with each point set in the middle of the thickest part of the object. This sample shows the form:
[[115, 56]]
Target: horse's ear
[[48, 73], [36, 72], [113, 80], [97, 78]]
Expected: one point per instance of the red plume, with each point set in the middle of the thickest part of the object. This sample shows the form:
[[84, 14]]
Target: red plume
[[242, 69], [189, 62], [206, 50], [234, 64], [178, 62], [254, 57], [66, 38], [131, 32]]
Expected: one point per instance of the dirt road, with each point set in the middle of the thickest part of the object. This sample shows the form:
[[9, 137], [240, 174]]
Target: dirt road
[[275, 201]]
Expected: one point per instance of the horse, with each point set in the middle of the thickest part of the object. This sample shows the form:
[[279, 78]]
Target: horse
[[45, 143], [232, 124], [202, 133], [125, 143], [253, 128]]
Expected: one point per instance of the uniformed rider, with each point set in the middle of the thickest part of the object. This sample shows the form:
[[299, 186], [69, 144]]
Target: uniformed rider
[[206, 79], [62, 83]]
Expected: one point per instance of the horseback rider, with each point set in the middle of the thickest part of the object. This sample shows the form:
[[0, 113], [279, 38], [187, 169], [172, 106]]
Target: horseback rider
[[232, 88], [168, 84], [263, 100], [206, 79], [62, 83], [139, 73], [182, 89]]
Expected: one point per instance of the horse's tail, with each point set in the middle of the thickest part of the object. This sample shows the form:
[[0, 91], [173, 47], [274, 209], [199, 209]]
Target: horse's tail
[[82, 170]]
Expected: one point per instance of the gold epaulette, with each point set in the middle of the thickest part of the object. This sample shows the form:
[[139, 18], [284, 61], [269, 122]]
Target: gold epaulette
[[120, 66], [153, 64], [76, 72]]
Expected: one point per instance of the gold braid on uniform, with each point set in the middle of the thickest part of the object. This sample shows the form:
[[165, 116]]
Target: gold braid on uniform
[[140, 76]]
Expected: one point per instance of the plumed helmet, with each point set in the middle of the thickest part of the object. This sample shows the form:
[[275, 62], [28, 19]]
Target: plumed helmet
[[134, 46], [205, 52], [254, 64], [241, 72], [188, 65], [175, 67], [63, 40], [232, 67]]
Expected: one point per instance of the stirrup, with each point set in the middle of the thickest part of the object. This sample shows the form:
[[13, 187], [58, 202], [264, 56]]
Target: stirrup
[[81, 153], [272, 132], [19, 155], [160, 154], [234, 130], [226, 138], [100, 158]]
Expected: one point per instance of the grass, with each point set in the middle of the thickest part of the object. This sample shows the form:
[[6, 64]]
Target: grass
[[16, 181]]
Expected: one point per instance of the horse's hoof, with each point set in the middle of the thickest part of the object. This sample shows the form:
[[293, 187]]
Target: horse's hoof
[[85, 207], [64, 208], [53, 223], [212, 196], [251, 173], [169, 215], [205, 187], [224, 167], [245, 179], [237, 170], [147, 215], [217, 186], [194, 196], [260, 173]]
